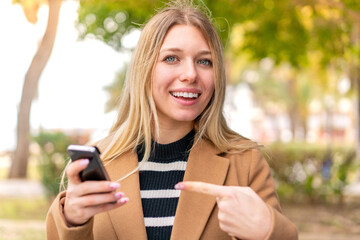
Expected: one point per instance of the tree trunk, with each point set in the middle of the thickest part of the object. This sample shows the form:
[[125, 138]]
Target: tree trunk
[[304, 127], [355, 79], [19, 164], [293, 110]]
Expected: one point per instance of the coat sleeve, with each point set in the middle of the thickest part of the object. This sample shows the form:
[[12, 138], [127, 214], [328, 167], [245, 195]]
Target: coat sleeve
[[261, 181], [56, 227]]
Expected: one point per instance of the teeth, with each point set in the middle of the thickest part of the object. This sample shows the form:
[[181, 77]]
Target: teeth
[[185, 94]]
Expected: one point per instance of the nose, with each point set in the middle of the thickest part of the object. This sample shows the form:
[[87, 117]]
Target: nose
[[189, 72]]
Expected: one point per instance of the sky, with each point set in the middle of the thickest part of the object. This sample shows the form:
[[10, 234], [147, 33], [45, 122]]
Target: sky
[[71, 86], [70, 94]]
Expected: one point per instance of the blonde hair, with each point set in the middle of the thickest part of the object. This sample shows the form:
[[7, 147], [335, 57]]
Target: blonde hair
[[137, 111]]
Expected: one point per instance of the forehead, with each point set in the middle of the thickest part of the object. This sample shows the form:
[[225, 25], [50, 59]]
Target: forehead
[[186, 36]]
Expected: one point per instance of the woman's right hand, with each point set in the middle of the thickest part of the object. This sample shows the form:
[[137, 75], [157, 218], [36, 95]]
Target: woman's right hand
[[85, 199]]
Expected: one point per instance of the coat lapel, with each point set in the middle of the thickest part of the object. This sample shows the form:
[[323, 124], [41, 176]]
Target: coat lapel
[[127, 220], [194, 209]]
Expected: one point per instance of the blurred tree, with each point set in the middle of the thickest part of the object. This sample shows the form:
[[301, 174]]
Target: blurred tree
[[52, 158], [324, 42], [110, 20], [19, 164]]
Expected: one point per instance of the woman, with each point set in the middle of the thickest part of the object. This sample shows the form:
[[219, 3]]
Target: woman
[[170, 129]]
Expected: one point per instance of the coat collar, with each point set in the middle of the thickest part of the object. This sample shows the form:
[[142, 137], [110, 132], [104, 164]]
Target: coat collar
[[127, 220], [193, 209]]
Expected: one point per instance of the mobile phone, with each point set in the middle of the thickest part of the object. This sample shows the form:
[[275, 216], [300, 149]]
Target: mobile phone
[[95, 171]]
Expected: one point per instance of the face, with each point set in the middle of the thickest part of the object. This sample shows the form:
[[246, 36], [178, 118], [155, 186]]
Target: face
[[183, 79]]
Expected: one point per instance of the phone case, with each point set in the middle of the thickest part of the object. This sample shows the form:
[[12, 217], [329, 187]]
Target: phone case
[[95, 171]]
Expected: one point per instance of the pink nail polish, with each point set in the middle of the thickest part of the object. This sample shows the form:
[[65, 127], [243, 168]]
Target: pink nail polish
[[119, 195], [114, 185], [179, 186], [124, 200], [84, 162]]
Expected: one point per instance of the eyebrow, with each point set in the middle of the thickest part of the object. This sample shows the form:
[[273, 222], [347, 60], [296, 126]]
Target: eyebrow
[[202, 52]]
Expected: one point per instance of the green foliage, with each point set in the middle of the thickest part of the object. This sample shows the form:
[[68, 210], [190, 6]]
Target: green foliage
[[26, 209], [283, 30], [52, 159], [111, 20], [305, 172], [278, 34]]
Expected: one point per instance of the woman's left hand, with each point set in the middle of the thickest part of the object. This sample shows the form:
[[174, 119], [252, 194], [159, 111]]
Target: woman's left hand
[[242, 213]]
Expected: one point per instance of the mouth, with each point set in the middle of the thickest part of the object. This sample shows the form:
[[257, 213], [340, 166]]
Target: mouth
[[185, 95]]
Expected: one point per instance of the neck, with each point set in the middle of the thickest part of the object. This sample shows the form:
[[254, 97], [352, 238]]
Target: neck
[[169, 134]]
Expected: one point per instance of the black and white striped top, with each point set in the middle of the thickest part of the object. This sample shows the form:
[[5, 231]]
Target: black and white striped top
[[165, 167]]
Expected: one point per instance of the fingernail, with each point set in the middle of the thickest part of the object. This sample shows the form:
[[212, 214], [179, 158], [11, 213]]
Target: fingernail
[[124, 200], [84, 162], [114, 185], [119, 195], [179, 186]]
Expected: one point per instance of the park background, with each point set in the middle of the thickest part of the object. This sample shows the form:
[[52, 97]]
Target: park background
[[293, 80]]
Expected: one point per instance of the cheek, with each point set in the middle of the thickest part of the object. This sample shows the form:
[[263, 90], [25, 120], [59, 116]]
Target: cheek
[[210, 90], [159, 79], [155, 83], [210, 86]]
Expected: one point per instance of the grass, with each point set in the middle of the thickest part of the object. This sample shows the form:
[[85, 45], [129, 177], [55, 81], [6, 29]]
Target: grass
[[23, 219], [25, 209], [325, 219], [16, 208]]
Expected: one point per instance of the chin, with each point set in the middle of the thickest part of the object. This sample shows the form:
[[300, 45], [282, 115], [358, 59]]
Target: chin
[[187, 118], [191, 116]]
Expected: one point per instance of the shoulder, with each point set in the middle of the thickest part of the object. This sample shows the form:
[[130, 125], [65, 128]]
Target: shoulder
[[234, 147], [242, 146], [246, 154], [103, 143]]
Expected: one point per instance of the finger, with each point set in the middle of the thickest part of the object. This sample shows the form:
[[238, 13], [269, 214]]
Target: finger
[[107, 206], [89, 187], [94, 200], [201, 187], [74, 169], [82, 214]]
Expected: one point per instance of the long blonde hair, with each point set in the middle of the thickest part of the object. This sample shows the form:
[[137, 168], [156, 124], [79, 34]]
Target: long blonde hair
[[137, 111], [137, 115]]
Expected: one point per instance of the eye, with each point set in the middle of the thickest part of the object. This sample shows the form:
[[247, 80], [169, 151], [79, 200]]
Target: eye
[[205, 62], [170, 59]]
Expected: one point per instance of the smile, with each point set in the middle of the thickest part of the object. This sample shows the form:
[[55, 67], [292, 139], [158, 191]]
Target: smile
[[188, 95]]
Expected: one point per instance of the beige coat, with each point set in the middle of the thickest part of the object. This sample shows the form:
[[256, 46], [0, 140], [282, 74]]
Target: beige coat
[[196, 214]]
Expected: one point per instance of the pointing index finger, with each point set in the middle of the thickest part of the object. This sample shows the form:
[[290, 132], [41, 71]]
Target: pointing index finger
[[201, 187]]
